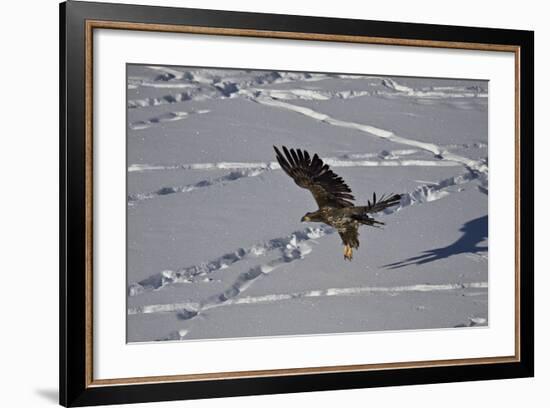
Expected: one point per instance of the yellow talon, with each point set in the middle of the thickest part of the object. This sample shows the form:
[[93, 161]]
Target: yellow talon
[[348, 253]]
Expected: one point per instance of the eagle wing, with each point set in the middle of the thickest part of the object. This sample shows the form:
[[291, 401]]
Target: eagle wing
[[328, 189], [382, 203]]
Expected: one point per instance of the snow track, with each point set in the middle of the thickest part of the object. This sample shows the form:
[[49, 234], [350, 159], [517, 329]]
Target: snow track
[[383, 158], [291, 248], [166, 117], [191, 310], [230, 177], [436, 150], [240, 170], [206, 84]]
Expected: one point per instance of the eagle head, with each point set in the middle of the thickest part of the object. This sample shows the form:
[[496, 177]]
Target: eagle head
[[306, 217]]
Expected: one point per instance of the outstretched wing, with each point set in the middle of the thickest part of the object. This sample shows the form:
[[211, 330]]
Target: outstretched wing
[[328, 189], [349, 235], [383, 203]]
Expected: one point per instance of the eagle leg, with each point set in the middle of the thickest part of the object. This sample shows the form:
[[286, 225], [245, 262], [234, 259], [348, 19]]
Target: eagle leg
[[348, 253]]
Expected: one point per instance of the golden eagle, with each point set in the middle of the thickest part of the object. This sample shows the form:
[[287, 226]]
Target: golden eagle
[[333, 196]]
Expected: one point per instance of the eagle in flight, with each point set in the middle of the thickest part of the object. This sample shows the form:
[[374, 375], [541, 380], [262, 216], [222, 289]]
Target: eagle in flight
[[333, 196]]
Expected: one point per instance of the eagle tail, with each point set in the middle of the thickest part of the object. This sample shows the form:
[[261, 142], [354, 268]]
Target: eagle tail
[[366, 220]]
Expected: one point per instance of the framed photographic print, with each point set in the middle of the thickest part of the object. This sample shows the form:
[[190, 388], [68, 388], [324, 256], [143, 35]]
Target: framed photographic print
[[256, 203]]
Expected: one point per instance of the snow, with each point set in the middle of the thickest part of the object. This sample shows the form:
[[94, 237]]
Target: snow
[[216, 248]]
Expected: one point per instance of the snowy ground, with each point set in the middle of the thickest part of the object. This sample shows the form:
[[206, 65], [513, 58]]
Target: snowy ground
[[215, 244]]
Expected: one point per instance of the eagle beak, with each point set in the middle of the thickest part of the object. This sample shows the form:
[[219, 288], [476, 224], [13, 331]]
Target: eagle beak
[[305, 218]]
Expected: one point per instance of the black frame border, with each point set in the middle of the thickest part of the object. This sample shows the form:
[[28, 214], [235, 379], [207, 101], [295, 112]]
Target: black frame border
[[72, 365]]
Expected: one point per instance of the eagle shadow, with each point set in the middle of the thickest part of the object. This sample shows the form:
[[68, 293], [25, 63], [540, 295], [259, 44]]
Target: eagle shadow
[[473, 232]]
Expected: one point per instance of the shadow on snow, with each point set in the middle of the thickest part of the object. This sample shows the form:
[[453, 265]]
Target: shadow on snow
[[473, 232]]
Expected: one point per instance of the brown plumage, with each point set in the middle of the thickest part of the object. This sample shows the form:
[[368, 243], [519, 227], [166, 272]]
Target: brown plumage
[[333, 196]]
